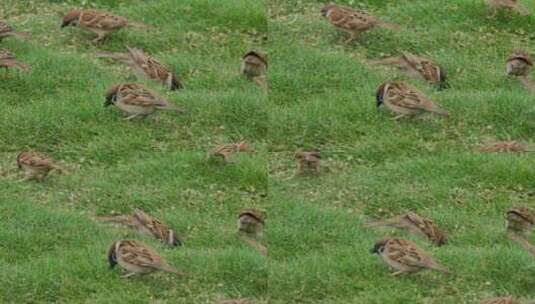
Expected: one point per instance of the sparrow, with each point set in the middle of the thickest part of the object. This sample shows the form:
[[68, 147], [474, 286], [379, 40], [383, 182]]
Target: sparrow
[[250, 228], [418, 67], [136, 257], [8, 60], [308, 161], [519, 64], [351, 20], [146, 66], [251, 221], [36, 165], [99, 22], [405, 100], [145, 224], [503, 147], [513, 5], [502, 300], [415, 224], [254, 67], [7, 31], [236, 301], [520, 220], [226, 151], [405, 256], [137, 101]]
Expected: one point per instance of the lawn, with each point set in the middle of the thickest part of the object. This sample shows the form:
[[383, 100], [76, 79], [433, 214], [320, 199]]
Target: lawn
[[322, 95]]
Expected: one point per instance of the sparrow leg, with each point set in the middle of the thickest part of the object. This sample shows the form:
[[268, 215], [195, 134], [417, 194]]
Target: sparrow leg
[[397, 273], [131, 117], [99, 38], [128, 275], [352, 37], [398, 117]]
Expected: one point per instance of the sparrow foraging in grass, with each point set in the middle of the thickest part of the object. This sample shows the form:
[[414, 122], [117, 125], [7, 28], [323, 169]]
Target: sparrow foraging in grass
[[99, 22], [417, 67], [226, 151], [519, 64], [7, 31], [137, 101], [520, 220], [146, 66], [405, 256], [36, 165], [415, 224], [236, 301], [251, 226], [503, 147], [405, 100], [513, 5], [136, 257], [145, 224], [251, 221], [502, 300], [351, 20], [254, 67], [308, 162], [8, 60]]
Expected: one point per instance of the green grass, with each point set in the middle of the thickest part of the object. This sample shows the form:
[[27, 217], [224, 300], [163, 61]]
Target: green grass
[[322, 96]]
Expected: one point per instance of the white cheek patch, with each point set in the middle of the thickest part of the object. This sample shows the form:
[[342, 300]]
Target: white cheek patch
[[328, 13]]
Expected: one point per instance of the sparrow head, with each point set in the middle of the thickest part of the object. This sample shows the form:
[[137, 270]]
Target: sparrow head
[[19, 157], [174, 83], [112, 254], [327, 8], [255, 58], [379, 246], [173, 239], [251, 221], [71, 18], [111, 96], [379, 96], [442, 79]]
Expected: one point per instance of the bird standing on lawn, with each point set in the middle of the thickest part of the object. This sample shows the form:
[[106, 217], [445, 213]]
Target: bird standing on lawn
[[352, 21]]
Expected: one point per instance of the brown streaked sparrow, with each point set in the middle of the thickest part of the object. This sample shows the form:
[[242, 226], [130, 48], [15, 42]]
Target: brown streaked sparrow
[[146, 66], [519, 63], [405, 100], [7, 31], [36, 165], [251, 221], [250, 226], [99, 22], [417, 67], [503, 147], [351, 20], [415, 224], [308, 161], [146, 224], [137, 101], [520, 220], [501, 300], [254, 67], [226, 151], [136, 257], [8, 60], [513, 5], [405, 257], [236, 301]]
